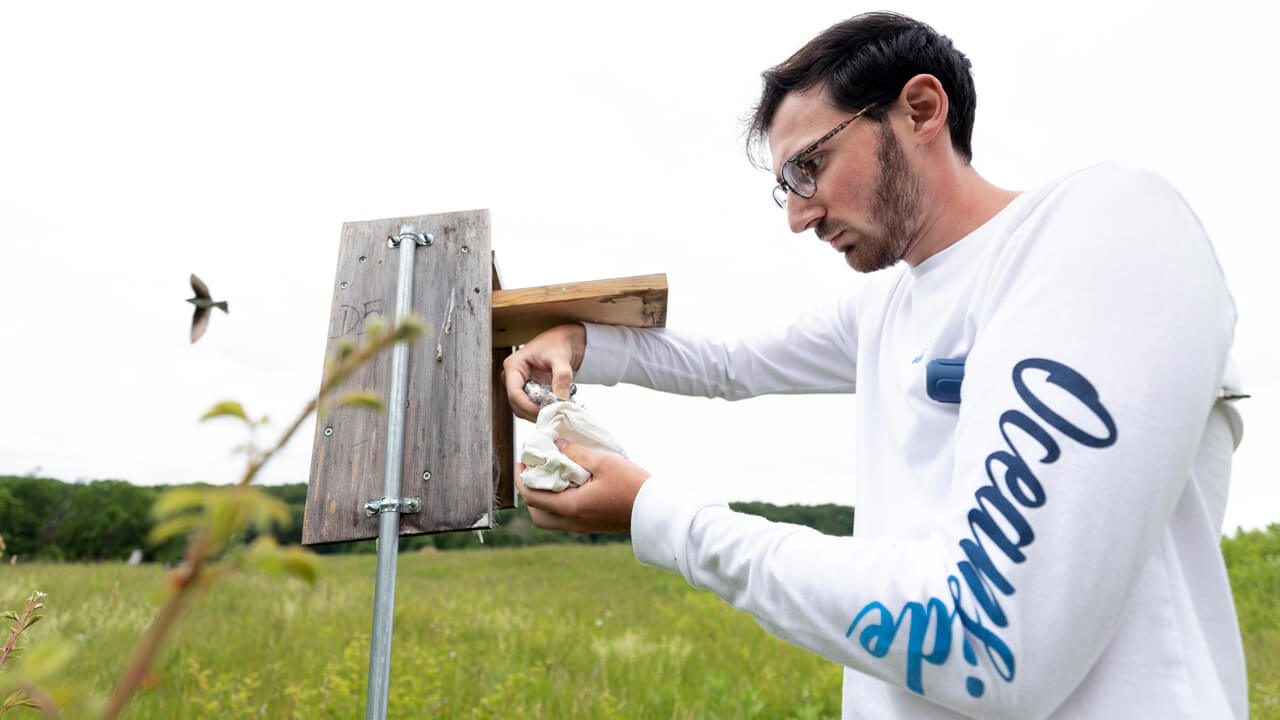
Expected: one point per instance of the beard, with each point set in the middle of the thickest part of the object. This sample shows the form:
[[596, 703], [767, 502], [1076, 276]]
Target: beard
[[895, 209]]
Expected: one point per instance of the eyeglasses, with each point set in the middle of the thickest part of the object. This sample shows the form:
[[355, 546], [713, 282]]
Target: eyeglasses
[[797, 173]]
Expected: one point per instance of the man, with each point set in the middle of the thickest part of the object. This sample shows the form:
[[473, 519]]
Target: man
[[1043, 440]]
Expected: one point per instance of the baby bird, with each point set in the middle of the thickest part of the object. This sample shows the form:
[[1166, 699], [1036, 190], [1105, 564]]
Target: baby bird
[[203, 302]]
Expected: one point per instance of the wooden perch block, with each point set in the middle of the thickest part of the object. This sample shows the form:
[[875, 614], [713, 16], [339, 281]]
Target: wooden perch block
[[520, 314]]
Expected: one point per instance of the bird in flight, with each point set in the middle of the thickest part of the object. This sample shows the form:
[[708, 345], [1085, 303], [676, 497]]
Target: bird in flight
[[204, 303]]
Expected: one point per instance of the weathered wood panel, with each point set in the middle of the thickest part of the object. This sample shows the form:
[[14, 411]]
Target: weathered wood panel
[[504, 423], [519, 315], [449, 417]]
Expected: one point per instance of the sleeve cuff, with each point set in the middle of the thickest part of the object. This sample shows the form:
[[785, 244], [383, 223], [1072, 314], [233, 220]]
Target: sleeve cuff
[[661, 519], [605, 360]]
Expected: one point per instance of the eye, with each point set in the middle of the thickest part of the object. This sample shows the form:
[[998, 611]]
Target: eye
[[810, 165]]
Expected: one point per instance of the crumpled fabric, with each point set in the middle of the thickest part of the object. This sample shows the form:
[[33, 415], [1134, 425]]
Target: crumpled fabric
[[546, 468]]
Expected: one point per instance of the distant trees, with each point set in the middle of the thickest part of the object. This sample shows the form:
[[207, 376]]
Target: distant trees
[[108, 519], [103, 519], [30, 509], [829, 519]]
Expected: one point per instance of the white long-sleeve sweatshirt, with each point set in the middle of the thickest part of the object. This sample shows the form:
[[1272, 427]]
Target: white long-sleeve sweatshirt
[[1046, 547]]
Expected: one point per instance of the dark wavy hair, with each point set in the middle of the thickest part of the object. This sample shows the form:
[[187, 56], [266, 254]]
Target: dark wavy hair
[[866, 60]]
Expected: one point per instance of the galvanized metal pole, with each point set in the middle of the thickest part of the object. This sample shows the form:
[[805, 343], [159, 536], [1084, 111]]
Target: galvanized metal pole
[[390, 507]]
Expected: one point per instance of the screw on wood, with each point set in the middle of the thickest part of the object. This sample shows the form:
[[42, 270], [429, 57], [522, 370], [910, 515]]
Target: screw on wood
[[328, 431]]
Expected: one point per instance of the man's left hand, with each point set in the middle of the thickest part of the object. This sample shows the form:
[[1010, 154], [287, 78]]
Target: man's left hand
[[600, 505]]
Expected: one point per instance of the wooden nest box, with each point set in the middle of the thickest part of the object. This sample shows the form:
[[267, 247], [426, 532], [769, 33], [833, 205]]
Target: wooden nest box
[[459, 432]]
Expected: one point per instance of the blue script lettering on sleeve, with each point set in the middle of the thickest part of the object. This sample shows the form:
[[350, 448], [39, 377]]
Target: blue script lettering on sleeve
[[996, 507]]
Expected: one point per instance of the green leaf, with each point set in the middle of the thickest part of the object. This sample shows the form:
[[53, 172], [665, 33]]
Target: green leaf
[[302, 563], [173, 527], [9, 615], [46, 658], [32, 621], [374, 325], [262, 510], [345, 348], [227, 407], [359, 398], [17, 699], [179, 499], [222, 520], [266, 555], [410, 328]]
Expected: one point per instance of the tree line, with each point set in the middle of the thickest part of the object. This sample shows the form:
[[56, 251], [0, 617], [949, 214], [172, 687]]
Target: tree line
[[47, 519]]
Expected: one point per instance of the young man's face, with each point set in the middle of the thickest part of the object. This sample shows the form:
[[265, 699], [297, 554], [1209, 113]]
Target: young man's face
[[867, 204]]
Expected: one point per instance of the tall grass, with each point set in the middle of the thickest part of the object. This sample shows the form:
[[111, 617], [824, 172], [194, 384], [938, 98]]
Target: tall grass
[[546, 632], [561, 631], [1253, 563]]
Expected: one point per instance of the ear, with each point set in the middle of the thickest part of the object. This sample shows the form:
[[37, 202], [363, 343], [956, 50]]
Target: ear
[[926, 103]]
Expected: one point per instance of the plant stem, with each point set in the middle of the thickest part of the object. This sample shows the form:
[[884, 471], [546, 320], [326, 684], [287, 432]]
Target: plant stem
[[255, 466], [198, 554], [183, 583], [341, 372], [21, 625]]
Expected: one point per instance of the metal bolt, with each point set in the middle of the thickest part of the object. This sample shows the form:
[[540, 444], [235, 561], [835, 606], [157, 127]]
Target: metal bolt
[[426, 476], [328, 431], [343, 285], [363, 258], [465, 249], [428, 239]]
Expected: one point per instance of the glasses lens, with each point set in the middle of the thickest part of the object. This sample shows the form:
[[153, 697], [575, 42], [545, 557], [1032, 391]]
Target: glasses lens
[[780, 196], [800, 184]]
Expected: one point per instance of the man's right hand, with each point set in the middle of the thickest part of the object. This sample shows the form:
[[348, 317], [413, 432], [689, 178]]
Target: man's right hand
[[551, 358]]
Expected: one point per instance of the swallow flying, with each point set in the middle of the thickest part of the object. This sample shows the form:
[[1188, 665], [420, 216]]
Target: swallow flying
[[203, 302]]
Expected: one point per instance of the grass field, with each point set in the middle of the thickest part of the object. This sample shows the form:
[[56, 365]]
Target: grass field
[[545, 632]]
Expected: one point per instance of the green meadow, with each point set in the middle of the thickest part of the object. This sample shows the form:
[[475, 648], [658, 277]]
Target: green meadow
[[553, 631]]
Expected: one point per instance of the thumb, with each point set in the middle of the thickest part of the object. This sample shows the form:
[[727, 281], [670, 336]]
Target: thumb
[[585, 457], [561, 379]]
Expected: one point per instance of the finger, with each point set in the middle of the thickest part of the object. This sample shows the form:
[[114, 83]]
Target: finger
[[561, 380], [585, 457], [532, 497], [514, 378], [547, 520]]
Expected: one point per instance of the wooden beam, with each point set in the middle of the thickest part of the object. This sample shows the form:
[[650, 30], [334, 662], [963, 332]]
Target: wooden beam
[[504, 422], [520, 314]]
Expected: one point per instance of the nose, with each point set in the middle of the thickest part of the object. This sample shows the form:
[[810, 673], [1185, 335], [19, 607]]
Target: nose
[[802, 213]]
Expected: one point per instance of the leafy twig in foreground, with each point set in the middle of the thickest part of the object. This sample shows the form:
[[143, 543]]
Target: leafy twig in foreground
[[20, 625], [225, 515]]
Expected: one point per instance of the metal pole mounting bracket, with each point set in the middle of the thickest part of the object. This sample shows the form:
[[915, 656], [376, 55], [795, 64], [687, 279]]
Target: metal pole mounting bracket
[[390, 504]]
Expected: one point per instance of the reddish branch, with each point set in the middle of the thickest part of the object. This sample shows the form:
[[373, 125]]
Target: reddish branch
[[198, 555], [21, 626]]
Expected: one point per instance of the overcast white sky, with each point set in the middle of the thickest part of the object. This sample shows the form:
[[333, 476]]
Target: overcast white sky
[[142, 141]]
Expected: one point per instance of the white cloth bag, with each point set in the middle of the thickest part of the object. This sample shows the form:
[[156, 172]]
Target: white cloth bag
[[546, 468]]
